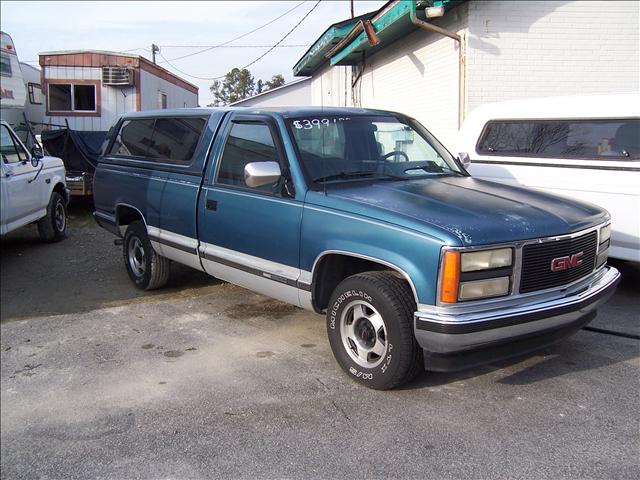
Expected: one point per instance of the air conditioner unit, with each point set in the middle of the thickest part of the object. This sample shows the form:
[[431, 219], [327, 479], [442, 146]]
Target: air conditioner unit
[[117, 76]]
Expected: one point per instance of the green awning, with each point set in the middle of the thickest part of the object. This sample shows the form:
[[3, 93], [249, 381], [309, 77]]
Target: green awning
[[346, 43], [315, 56]]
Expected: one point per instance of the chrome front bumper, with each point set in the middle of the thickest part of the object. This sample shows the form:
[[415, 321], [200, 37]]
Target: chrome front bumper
[[448, 334]]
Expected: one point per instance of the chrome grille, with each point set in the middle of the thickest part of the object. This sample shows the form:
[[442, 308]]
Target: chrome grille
[[537, 258]]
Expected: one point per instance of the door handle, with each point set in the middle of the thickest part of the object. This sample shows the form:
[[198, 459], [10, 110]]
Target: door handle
[[212, 205]]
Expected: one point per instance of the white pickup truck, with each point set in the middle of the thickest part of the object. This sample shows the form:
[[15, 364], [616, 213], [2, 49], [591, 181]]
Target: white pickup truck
[[32, 188]]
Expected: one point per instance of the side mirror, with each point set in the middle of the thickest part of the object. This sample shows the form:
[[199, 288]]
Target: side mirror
[[464, 159], [36, 152], [257, 174]]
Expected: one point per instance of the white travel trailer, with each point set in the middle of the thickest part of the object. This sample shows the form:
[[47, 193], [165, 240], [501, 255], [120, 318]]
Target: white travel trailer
[[584, 147], [12, 90]]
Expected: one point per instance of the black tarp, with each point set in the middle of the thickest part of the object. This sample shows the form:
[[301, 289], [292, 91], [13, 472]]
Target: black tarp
[[78, 149]]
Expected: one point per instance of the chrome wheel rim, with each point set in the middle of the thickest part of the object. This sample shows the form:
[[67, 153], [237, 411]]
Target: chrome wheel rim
[[363, 333], [136, 257], [60, 218]]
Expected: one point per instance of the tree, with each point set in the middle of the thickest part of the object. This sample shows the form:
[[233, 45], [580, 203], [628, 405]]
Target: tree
[[276, 81], [260, 87], [237, 85]]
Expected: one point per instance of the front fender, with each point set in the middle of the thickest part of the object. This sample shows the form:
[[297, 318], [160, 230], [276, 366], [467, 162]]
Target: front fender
[[411, 253]]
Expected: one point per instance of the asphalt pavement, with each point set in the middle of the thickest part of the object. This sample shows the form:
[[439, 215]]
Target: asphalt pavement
[[208, 380]]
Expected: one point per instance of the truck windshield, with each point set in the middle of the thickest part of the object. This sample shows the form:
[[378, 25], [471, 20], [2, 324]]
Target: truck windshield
[[347, 148]]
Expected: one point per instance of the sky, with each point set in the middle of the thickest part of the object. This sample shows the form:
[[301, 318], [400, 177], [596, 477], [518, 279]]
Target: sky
[[179, 28]]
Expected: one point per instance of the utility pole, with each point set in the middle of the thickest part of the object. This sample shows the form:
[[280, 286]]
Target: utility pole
[[352, 13], [154, 49]]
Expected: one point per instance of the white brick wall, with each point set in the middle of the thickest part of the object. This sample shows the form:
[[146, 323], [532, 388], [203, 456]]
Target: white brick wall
[[521, 49], [416, 75], [515, 49]]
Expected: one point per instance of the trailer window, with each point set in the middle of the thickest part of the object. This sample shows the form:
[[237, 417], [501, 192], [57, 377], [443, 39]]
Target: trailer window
[[35, 93], [570, 139], [66, 97], [5, 65]]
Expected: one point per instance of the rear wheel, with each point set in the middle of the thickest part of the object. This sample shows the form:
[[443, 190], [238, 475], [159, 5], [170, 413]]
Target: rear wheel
[[53, 226], [145, 267], [370, 328]]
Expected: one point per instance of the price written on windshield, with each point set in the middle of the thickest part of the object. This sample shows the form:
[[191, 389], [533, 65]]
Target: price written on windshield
[[308, 124]]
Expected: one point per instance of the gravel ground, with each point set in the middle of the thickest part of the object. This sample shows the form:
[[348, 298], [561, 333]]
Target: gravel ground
[[207, 380]]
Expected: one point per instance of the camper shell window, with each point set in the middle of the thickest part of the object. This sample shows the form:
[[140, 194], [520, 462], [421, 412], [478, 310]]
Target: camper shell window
[[606, 139], [69, 97], [165, 139]]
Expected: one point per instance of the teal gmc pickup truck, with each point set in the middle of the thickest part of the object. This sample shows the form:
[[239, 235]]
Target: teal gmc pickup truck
[[361, 215]]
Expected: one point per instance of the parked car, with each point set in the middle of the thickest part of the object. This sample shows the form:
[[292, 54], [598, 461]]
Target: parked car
[[582, 147], [32, 188], [361, 215]]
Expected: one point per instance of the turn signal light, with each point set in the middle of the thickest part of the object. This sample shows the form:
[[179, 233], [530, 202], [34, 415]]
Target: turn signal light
[[450, 277]]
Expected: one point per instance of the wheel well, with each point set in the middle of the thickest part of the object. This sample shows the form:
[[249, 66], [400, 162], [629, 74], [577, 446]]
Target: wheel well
[[126, 215], [333, 269], [59, 188]]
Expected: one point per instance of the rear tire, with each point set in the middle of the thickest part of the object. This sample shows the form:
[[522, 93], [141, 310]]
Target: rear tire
[[370, 329], [53, 226], [147, 269]]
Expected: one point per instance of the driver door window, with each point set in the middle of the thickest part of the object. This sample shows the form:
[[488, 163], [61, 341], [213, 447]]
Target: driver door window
[[247, 143], [11, 150]]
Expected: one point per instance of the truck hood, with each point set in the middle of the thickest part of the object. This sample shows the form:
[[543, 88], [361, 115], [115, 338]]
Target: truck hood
[[464, 209]]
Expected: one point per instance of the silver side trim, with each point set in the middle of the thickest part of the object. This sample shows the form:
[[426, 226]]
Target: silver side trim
[[249, 261], [256, 283]]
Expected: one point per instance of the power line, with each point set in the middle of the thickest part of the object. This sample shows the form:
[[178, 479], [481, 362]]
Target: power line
[[234, 46], [254, 61], [207, 48], [283, 38]]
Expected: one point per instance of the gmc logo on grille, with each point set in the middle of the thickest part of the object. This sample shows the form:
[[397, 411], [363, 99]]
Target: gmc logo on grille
[[565, 263]]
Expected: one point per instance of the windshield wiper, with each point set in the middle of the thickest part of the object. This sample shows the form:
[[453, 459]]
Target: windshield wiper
[[345, 175], [432, 167]]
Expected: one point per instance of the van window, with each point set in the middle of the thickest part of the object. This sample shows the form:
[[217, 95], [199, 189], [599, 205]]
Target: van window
[[246, 143], [166, 140], [570, 139]]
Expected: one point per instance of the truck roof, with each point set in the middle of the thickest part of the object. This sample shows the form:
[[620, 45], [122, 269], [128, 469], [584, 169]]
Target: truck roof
[[281, 111]]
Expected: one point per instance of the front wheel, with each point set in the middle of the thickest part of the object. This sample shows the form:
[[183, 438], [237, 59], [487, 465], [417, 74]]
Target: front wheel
[[145, 267], [53, 226], [370, 328]]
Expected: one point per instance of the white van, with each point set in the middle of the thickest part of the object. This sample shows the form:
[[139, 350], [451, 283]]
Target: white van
[[584, 147]]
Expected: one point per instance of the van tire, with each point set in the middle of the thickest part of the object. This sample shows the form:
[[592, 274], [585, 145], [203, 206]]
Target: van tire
[[53, 226], [146, 269], [370, 329]]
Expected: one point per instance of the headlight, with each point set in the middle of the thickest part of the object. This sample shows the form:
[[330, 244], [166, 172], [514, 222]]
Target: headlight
[[486, 259], [492, 287], [605, 233], [475, 274]]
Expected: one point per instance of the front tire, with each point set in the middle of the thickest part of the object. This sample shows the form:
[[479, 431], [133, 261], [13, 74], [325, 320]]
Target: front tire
[[53, 226], [147, 269], [370, 329]]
